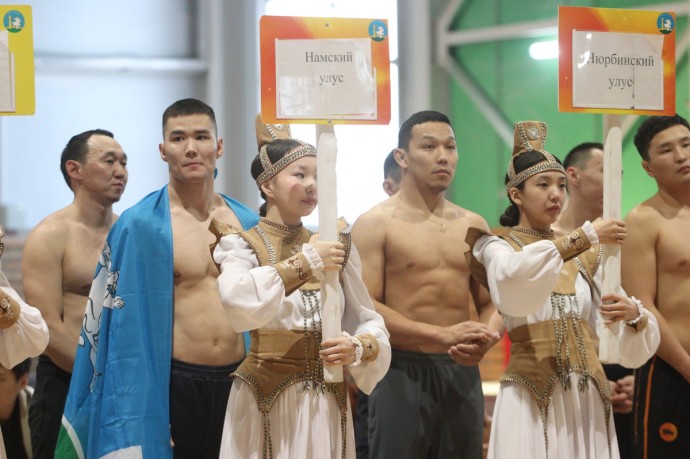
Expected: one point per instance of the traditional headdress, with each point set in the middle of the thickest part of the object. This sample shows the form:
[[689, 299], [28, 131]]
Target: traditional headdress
[[267, 133], [530, 136]]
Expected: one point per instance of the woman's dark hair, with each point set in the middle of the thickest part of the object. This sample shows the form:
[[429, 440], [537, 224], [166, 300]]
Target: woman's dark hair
[[511, 216], [275, 151]]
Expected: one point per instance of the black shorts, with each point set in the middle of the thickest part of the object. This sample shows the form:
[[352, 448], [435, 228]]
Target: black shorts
[[198, 400], [46, 407], [661, 412], [426, 406]]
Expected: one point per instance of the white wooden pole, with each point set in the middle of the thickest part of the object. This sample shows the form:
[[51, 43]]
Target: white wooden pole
[[331, 309], [613, 165]]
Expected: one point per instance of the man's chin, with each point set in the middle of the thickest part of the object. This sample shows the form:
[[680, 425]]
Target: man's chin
[[438, 188]]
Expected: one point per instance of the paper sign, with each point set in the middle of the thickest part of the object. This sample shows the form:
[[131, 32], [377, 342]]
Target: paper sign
[[618, 70], [16, 61], [616, 61], [7, 88], [327, 78], [324, 70]]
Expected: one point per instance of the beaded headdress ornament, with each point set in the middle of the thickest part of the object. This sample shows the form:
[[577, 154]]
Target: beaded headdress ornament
[[530, 136], [267, 133]]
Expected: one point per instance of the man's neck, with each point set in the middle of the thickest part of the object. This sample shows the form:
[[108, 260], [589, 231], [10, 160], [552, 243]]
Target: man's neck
[[92, 212], [424, 200], [677, 196], [576, 213], [198, 199]]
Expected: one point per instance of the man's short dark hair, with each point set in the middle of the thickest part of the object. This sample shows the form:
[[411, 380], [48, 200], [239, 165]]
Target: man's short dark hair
[[426, 116], [21, 369], [187, 107], [391, 168], [580, 154], [651, 127], [77, 149]]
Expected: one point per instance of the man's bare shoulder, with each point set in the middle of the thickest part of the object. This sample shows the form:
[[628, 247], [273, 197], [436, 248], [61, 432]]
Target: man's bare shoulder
[[379, 214], [54, 228], [466, 217], [648, 213]]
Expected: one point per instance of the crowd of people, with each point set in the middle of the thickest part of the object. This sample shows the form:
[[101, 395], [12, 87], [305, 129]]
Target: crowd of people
[[200, 333]]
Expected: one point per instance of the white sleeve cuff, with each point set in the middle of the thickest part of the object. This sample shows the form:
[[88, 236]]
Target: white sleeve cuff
[[359, 351], [591, 233], [313, 258]]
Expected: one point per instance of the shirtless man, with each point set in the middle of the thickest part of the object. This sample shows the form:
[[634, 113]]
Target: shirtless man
[[204, 343], [584, 168], [655, 269], [164, 311], [57, 268], [412, 247], [392, 175]]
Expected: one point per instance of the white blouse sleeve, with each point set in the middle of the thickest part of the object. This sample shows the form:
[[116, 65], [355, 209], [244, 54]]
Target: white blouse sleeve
[[359, 316], [636, 347], [252, 294], [519, 282], [27, 337]]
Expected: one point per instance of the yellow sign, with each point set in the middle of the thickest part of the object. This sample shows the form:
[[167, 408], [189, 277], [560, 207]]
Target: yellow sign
[[616, 61], [325, 70], [17, 95]]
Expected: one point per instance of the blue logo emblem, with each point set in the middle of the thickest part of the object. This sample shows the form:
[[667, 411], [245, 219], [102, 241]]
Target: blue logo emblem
[[665, 23], [13, 21], [378, 30]]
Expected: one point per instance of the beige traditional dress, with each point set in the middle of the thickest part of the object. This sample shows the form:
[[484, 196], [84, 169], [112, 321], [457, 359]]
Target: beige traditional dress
[[554, 399], [279, 405]]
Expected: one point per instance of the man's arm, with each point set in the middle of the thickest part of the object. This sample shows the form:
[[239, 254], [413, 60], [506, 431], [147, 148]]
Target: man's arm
[[42, 281], [639, 279], [488, 314]]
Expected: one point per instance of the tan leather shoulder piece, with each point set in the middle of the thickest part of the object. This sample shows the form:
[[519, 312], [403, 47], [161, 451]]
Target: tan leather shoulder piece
[[476, 268], [345, 237], [219, 229]]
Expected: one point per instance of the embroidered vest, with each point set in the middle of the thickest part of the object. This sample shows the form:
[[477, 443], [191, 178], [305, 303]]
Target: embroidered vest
[[280, 358]]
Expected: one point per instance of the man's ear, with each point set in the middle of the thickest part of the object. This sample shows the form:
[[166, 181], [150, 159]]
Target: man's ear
[[573, 176], [647, 168], [388, 187], [220, 151], [73, 169], [161, 150], [400, 157]]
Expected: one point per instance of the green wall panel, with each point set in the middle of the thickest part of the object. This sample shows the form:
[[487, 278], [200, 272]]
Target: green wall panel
[[524, 89]]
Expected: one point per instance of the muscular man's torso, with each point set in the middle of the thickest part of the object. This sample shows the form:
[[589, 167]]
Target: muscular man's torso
[[60, 258], [673, 271], [202, 333], [426, 276]]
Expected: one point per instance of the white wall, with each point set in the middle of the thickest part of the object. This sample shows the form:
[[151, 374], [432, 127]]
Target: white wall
[[92, 72]]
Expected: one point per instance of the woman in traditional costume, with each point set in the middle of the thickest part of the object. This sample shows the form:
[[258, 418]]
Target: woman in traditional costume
[[280, 406], [23, 332], [554, 399]]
